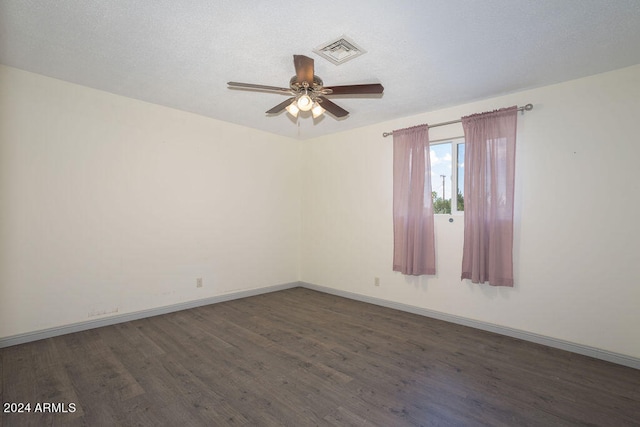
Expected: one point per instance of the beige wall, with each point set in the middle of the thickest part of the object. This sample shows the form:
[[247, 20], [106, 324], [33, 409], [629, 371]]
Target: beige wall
[[108, 203], [577, 246]]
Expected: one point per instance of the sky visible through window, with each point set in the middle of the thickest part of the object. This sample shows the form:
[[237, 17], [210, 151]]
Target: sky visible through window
[[442, 158], [441, 163]]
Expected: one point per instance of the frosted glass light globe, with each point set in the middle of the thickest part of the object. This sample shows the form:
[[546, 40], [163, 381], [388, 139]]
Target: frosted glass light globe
[[305, 103]]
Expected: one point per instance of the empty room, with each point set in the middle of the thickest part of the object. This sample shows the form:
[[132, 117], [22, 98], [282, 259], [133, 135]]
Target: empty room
[[356, 213]]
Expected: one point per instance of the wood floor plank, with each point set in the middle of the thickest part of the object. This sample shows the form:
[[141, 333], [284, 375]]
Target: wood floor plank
[[40, 370], [301, 357]]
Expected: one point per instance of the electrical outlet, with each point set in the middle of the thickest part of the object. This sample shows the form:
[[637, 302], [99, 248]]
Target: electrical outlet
[[376, 281], [199, 282]]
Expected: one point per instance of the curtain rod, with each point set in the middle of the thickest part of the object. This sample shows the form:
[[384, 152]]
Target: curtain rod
[[527, 107]]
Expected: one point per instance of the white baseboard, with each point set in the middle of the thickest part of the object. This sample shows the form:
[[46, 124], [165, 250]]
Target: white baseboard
[[597, 353], [127, 317]]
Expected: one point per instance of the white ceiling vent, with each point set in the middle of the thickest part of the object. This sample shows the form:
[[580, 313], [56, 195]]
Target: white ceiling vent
[[339, 50]]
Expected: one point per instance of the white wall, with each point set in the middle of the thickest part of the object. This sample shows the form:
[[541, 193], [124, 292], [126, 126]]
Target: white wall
[[577, 247], [108, 203]]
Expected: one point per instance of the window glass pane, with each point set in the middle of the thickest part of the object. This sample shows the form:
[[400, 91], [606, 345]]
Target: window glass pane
[[460, 178], [440, 156]]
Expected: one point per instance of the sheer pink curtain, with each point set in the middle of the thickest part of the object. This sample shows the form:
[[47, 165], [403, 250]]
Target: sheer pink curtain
[[413, 230], [490, 144]]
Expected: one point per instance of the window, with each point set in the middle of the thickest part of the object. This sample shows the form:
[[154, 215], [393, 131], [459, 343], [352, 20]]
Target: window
[[447, 173]]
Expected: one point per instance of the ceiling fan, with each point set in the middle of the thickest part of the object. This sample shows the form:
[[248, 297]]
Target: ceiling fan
[[309, 92]]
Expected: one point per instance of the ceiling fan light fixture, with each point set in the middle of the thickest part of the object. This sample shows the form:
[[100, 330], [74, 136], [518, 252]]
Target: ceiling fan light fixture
[[293, 109], [308, 92], [305, 103], [317, 110]]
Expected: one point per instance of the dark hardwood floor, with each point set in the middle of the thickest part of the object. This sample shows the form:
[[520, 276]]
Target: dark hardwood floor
[[302, 358]]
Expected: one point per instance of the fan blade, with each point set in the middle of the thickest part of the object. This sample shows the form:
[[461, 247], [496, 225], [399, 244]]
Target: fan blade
[[281, 106], [334, 109], [356, 89], [259, 87], [304, 69]]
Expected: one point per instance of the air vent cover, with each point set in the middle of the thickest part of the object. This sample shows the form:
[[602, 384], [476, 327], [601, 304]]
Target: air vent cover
[[339, 50]]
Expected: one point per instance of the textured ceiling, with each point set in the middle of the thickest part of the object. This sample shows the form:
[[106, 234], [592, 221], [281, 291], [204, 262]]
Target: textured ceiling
[[428, 54]]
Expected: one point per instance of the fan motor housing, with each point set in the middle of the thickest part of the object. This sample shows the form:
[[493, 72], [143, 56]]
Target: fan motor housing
[[315, 86]]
